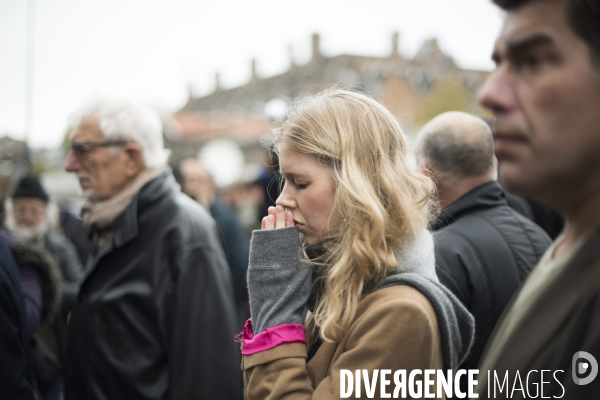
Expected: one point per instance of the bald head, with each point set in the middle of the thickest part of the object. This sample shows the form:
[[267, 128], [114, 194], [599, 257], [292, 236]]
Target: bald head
[[457, 145]]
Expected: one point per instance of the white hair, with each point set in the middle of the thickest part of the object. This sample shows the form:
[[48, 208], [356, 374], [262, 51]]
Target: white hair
[[126, 120]]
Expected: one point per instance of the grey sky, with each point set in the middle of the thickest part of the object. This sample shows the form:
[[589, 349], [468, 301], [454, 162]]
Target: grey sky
[[149, 50]]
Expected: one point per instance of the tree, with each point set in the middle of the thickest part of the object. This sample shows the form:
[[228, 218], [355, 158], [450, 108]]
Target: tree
[[447, 95]]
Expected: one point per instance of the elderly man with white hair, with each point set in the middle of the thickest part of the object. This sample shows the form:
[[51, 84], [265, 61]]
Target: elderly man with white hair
[[155, 317]]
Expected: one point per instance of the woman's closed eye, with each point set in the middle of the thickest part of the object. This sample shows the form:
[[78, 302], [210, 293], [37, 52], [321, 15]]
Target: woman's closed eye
[[300, 185]]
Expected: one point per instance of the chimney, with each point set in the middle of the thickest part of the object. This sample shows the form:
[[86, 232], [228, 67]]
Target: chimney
[[217, 82], [253, 69], [316, 53], [395, 42]]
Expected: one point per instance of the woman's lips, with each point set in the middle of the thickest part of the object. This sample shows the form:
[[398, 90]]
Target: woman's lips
[[298, 224]]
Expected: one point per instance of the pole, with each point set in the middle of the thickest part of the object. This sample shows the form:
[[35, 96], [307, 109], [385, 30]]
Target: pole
[[29, 70]]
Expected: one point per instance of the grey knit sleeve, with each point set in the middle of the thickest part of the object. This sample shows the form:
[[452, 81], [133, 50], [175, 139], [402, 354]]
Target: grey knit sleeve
[[279, 284]]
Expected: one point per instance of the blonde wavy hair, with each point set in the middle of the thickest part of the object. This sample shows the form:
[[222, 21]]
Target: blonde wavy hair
[[384, 200]]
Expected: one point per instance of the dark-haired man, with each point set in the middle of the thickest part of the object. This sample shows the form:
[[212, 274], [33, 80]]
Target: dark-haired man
[[484, 249], [545, 94]]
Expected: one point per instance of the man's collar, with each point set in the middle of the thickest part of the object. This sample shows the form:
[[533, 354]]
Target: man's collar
[[148, 194], [487, 195]]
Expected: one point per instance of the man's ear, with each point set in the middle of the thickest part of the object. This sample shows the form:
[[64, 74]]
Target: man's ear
[[134, 160], [426, 170], [495, 171]]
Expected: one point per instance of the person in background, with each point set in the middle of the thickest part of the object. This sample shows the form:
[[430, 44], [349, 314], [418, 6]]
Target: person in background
[[199, 184], [16, 372], [155, 317], [545, 96], [40, 281], [268, 180], [245, 197], [28, 221], [484, 249]]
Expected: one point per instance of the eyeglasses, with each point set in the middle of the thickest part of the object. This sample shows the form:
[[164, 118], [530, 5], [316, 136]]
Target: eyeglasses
[[81, 149]]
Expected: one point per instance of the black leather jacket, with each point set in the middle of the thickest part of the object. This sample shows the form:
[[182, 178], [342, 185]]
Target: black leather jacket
[[155, 317]]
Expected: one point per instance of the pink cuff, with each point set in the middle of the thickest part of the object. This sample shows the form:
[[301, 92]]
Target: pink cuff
[[271, 337]]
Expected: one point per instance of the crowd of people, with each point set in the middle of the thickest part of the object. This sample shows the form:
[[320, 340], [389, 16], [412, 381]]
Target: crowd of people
[[367, 261]]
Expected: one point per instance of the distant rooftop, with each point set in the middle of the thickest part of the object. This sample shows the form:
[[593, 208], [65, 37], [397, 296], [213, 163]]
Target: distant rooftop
[[241, 113]]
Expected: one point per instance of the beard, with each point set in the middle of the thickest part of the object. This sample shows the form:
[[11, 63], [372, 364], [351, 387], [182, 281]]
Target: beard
[[27, 234]]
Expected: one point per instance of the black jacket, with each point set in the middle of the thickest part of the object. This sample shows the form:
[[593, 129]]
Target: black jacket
[[484, 250], [237, 242], [15, 364], [155, 318]]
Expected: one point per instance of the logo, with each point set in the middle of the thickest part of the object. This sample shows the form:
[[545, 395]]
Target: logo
[[581, 368]]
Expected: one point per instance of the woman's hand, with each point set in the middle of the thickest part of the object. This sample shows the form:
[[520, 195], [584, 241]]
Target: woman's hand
[[278, 218], [279, 284]]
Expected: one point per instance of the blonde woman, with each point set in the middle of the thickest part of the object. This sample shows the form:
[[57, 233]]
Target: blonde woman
[[348, 241]]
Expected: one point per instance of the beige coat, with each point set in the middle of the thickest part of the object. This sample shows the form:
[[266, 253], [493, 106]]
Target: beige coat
[[394, 328]]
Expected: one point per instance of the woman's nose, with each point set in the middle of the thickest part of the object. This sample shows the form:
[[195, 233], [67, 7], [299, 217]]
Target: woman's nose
[[285, 200]]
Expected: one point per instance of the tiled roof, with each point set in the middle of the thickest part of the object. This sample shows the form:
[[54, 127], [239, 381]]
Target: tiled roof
[[206, 126]]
